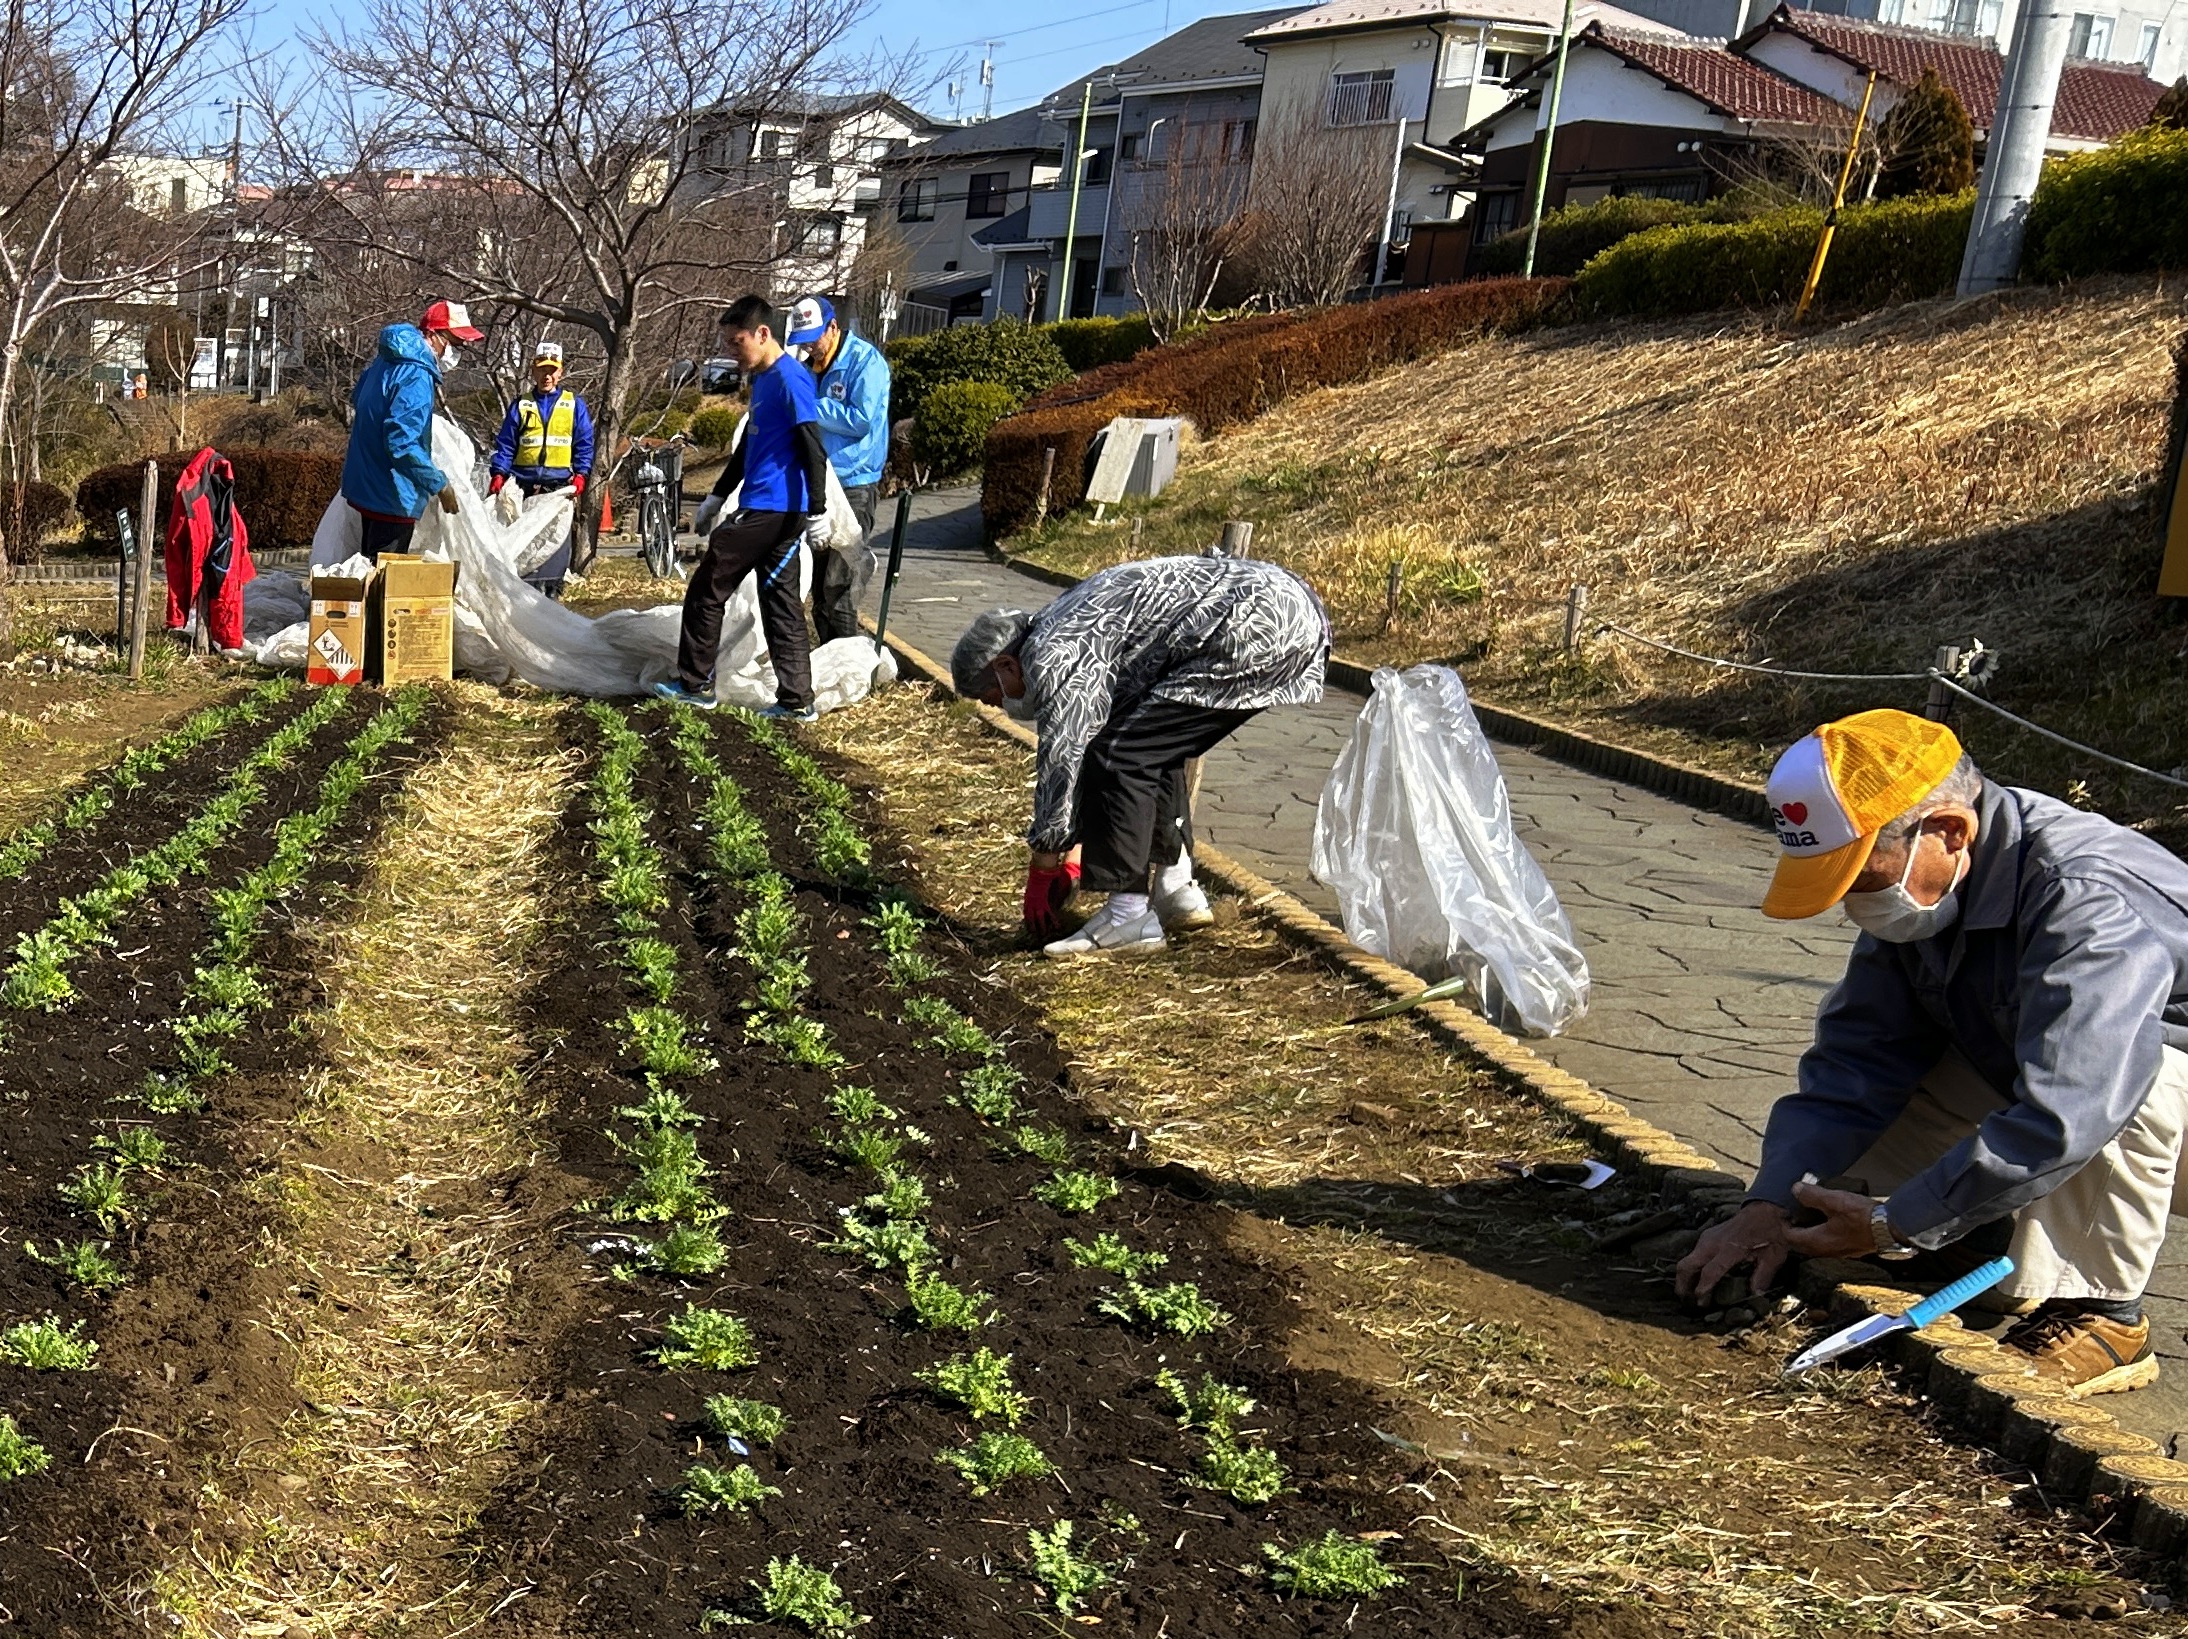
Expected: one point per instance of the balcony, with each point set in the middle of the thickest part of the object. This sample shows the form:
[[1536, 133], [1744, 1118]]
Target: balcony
[[1052, 211]]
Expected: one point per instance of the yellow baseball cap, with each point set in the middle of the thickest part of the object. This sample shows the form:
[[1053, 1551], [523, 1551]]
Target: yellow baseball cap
[[1833, 791]]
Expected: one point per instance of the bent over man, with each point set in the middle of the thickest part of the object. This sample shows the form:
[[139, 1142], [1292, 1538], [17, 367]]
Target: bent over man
[[2005, 1064], [546, 443], [1129, 674]]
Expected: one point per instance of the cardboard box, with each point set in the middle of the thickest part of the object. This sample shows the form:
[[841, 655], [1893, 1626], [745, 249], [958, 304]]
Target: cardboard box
[[336, 652], [410, 625]]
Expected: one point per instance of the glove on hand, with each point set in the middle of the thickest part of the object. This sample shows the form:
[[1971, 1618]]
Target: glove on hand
[[493, 486], [702, 521], [577, 484], [448, 499], [1048, 891]]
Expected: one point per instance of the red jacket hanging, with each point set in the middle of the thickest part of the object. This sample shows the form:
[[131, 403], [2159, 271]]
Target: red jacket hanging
[[208, 550]]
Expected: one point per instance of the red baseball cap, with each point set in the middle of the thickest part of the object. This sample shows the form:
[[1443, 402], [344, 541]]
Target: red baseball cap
[[452, 317]]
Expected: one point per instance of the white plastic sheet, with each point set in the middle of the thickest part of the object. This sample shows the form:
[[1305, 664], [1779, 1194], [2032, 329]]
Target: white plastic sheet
[[505, 628], [1414, 835]]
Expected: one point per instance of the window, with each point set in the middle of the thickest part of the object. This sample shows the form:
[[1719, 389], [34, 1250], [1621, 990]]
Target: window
[[989, 195], [1987, 17], [2092, 36], [915, 199], [1097, 168], [824, 176], [872, 150], [1361, 99], [1131, 145], [1112, 281], [820, 236], [1461, 61], [2148, 52], [1495, 215], [1218, 142], [1499, 66], [1891, 11], [775, 145], [179, 194]]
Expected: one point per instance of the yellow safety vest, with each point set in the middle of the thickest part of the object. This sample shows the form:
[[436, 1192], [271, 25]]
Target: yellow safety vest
[[546, 443]]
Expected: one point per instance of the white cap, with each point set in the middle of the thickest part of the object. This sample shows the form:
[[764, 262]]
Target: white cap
[[547, 352]]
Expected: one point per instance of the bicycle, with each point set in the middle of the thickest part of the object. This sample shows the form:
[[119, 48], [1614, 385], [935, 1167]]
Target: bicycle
[[657, 480]]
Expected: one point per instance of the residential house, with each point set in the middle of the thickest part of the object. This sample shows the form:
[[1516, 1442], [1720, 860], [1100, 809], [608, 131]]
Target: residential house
[[945, 198]]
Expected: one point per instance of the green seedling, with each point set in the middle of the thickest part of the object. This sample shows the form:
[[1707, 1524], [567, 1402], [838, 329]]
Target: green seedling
[[1109, 1252], [1337, 1567], [99, 1190], [870, 1147], [942, 1307], [202, 1059], [782, 989], [44, 1346], [83, 1264], [929, 1012], [170, 1095], [1044, 1144], [1212, 1405], [1070, 1191], [687, 1250], [1068, 1576], [138, 1147], [1177, 1308], [995, 1459], [838, 849], [990, 1091], [37, 980], [229, 985], [663, 1107], [214, 1024], [736, 1418], [896, 926], [980, 1382], [709, 1490], [736, 839], [651, 963], [902, 1197], [671, 1181], [806, 1596], [662, 1041], [707, 1339], [857, 1106], [1247, 1473], [911, 967], [20, 1456], [885, 1245], [803, 1041], [768, 929]]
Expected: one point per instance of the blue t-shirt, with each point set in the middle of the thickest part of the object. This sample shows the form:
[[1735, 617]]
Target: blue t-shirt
[[782, 397]]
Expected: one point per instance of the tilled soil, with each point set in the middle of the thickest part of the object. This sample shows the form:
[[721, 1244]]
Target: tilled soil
[[177, 1374], [599, 1531]]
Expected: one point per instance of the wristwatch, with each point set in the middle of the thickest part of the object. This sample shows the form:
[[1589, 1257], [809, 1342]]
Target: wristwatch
[[1889, 1246]]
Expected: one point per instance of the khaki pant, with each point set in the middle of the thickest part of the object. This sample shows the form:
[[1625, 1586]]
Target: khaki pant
[[2097, 1235]]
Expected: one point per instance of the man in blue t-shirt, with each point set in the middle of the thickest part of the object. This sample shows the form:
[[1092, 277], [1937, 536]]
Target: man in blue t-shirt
[[780, 471]]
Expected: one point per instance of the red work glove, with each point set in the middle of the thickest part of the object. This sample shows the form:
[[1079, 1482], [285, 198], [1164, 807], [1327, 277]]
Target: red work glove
[[1048, 891], [493, 485], [577, 484]]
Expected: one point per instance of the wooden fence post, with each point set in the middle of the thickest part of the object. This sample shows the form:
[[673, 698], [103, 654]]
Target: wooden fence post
[[1393, 589], [126, 536], [147, 533], [1048, 474], [1576, 612], [1238, 539], [1946, 660]]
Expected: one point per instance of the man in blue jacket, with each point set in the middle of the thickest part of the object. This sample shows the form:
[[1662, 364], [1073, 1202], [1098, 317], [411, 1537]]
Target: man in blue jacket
[[546, 443], [853, 402], [388, 475]]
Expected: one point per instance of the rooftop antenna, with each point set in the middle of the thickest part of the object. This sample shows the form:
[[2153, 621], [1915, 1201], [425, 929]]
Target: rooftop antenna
[[987, 80], [957, 99]]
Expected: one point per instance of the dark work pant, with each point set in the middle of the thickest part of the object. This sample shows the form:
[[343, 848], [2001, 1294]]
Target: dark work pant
[[550, 575], [749, 543], [386, 535], [1134, 815], [840, 577]]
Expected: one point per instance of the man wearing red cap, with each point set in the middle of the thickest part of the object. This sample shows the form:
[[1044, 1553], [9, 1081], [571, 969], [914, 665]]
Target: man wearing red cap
[[2005, 1064], [389, 475]]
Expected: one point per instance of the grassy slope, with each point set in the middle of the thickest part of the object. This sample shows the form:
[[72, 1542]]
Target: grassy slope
[[1843, 499]]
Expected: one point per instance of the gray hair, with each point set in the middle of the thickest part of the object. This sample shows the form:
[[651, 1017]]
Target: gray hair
[[1960, 788], [990, 635]]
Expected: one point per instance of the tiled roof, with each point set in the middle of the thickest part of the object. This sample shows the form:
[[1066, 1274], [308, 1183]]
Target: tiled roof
[[2097, 101], [1731, 84], [1346, 15]]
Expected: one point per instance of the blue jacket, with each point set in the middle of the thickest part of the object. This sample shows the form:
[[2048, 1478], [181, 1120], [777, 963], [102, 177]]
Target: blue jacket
[[581, 441], [853, 396], [389, 468]]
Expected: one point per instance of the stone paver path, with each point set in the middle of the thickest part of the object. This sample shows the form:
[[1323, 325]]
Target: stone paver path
[[1699, 1007]]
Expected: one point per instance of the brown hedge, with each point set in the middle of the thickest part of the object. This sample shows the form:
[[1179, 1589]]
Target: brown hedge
[[281, 494], [29, 513], [1234, 372]]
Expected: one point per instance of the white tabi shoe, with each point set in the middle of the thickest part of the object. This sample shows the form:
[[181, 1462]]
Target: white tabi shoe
[[1186, 908], [1108, 935]]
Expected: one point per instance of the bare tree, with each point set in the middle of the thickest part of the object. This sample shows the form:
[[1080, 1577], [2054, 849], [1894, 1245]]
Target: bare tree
[[1184, 223], [84, 85], [580, 161], [1314, 206]]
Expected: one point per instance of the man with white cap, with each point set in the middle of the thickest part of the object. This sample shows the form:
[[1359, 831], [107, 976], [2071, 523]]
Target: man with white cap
[[2003, 1065], [388, 476], [851, 394], [546, 443]]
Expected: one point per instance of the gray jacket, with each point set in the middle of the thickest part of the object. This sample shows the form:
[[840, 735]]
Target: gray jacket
[[2062, 980], [1235, 634]]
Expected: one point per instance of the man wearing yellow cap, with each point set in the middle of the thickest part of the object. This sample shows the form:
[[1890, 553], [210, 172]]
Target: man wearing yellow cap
[[2005, 1064]]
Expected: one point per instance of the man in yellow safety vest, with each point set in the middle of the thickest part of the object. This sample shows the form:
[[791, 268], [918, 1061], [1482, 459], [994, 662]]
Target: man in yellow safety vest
[[546, 443]]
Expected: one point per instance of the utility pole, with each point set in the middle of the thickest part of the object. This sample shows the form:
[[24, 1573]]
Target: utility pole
[[1071, 220], [2027, 89], [987, 80], [1549, 141], [235, 234], [1390, 208]]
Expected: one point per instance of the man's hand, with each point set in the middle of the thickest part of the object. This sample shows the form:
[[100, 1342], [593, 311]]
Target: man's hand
[[493, 484], [1049, 887], [448, 499], [1845, 1231], [1756, 1235], [702, 521], [577, 483]]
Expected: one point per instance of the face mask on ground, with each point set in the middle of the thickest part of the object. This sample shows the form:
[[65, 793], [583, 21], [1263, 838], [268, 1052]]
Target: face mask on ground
[[1895, 916]]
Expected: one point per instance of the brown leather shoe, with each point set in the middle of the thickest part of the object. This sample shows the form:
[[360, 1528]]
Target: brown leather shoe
[[2081, 1355]]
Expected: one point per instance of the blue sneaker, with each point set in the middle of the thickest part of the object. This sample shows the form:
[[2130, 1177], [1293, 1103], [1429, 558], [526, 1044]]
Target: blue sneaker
[[790, 714], [674, 690]]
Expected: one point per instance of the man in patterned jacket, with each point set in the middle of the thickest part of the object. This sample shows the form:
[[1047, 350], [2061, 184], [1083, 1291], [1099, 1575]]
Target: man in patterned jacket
[[1129, 674]]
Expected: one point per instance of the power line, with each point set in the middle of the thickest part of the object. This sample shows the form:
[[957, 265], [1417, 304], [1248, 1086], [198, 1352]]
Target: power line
[[1037, 28]]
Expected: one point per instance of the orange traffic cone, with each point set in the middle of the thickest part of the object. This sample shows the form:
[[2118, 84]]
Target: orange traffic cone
[[607, 512]]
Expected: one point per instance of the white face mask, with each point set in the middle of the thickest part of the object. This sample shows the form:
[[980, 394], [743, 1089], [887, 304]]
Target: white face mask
[[1895, 916], [451, 356], [1020, 706]]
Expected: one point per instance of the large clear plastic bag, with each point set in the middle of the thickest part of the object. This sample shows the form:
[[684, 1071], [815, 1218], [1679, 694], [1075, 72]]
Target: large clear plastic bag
[[1414, 835], [505, 628]]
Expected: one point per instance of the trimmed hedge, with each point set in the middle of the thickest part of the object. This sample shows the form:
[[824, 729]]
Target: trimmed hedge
[[1897, 251], [29, 513], [713, 428], [1009, 352], [1235, 371], [1087, 344], [2121, 209], [1572, 234], [281, 493], [953, 424]]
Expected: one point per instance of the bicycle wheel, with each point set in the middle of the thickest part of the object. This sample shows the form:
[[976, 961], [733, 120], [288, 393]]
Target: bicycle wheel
[[655, 537]]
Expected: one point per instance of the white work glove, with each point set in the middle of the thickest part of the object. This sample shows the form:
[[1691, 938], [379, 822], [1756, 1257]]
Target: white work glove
[[508, 504], [448, 499], [702, 521]]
